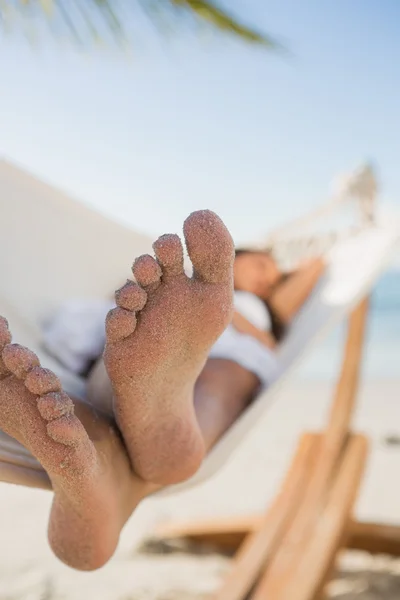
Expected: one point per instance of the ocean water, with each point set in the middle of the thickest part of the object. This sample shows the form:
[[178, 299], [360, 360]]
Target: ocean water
[[382, 349]]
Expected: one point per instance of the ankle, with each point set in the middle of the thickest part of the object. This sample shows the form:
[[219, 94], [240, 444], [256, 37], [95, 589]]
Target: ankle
[[177, 467]]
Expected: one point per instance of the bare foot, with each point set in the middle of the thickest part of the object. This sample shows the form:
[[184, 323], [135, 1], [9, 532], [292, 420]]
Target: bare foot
[[84, 527], [158, 339]]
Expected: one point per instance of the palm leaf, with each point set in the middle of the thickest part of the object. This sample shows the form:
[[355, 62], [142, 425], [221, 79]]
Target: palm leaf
[[85, 21], [222, 21]]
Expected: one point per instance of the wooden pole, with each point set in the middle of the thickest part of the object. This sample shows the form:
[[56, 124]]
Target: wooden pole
[[285, 561], [259, 545], [315, 561], [374, 538]]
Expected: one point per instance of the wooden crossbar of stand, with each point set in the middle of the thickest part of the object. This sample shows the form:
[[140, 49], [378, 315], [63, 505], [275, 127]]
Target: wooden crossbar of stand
[[227, 534], [290, 551]]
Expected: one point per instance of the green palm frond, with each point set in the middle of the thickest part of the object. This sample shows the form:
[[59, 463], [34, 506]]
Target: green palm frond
[[87, 21], [221, 20]]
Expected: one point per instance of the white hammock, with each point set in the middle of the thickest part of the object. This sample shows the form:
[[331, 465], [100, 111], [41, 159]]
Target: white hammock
[[53, 248]]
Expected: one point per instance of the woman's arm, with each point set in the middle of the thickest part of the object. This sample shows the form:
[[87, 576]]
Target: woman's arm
[[291, 294], [244, 326]]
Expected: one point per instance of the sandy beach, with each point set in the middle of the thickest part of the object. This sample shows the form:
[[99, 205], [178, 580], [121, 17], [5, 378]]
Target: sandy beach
[[28, 570]]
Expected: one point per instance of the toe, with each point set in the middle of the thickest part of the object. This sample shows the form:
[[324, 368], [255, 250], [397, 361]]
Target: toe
[[5, 335], [210, 247], [120, 323], [5, 338], [55, 405], [40, 381], [147, 271], [67, 430], [169, 252], [19, 360], [131, 297]]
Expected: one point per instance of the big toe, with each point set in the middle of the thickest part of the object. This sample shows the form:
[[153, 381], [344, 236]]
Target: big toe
[[210, 247]]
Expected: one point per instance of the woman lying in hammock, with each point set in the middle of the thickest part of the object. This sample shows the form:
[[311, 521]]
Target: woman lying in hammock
[[180, 365]]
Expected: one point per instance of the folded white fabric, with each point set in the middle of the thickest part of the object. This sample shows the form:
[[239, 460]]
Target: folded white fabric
[[76, 333], [245, 350], [253, 309]]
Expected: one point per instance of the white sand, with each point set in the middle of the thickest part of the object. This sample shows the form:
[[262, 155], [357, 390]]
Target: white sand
[[28, 570]]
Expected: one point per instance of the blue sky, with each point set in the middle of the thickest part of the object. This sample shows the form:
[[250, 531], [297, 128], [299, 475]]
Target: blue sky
[[210, 122]]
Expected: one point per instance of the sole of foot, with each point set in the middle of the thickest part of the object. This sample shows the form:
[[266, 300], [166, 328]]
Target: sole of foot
[[35, 411], [158, 339]]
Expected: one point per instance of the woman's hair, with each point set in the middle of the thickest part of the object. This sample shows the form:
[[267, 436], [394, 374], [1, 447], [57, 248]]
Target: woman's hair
[[278, 328]]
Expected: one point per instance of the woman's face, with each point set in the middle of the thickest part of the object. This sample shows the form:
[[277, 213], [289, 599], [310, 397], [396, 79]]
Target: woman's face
[[256, 272]]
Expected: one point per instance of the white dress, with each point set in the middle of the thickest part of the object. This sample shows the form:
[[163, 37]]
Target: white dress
[[244, 349]]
